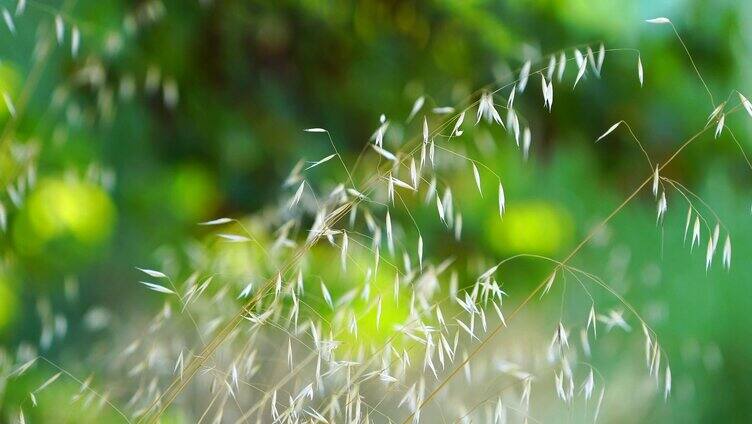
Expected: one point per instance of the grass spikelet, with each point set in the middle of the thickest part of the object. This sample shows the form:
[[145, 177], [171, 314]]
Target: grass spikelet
[[388, 155], [458, 132], [9, 21], [608, 131], [152, 273], [727, 253], [549, 284], [562, 66], [343, 256], [524, 74], [157, 288], [234, 238], [526, 139], [9, 104], [218, 221], [696, 232], [298, 194], [745, 102], [581, 67], [660, 20], [75, 41], [59, 29], [416, 107], [47, 382], [476, 176], [640, 72], [709, 254], [720, 125], [320, 161], [502, 201]]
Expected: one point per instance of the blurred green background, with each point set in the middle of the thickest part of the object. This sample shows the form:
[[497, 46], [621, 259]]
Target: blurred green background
[[177, 112]]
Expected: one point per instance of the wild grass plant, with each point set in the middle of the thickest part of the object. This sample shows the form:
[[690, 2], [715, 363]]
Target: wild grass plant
[[343, 301]]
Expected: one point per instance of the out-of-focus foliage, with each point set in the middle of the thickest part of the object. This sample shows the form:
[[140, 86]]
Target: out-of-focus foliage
[[178, 112]]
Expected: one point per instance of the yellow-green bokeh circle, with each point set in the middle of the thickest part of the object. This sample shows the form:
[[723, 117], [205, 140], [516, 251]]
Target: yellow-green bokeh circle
[[531, 227], [58, 208]]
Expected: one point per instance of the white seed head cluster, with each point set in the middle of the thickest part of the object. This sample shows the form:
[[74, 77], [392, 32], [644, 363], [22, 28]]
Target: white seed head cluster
[[344, 301]]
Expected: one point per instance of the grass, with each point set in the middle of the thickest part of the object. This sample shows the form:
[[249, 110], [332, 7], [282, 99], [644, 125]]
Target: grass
[[356, 312]]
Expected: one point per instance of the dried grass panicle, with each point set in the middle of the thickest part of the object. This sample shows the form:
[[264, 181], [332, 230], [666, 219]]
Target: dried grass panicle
[[391, 329]]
